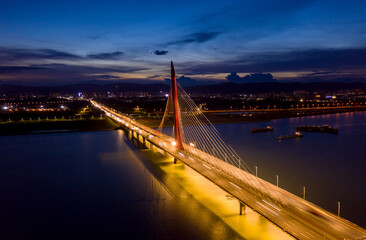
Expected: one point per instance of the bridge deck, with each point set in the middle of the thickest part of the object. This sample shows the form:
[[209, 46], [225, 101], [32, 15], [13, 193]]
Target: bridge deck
[[294, 215]]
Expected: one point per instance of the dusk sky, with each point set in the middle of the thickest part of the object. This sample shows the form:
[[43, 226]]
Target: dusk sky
[[62, 42]]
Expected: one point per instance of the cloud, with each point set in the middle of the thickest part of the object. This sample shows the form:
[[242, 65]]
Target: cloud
[[19, 54], [52, 74], [106, 76], [106, 56], [11, 54], [233, 77], [158, 52], [199, 37], [253, 19], [352, 60], [17, 69], [157, 76], [185, 81], [251, 78]]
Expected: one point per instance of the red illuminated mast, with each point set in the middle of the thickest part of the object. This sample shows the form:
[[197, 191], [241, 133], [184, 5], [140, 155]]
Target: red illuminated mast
[[174, 92]]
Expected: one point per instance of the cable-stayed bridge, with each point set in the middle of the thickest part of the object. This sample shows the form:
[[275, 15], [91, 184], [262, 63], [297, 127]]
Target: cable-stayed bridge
[[196, 143]]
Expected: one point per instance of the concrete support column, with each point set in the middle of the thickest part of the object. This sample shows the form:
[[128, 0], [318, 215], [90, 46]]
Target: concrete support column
[[242, 209]]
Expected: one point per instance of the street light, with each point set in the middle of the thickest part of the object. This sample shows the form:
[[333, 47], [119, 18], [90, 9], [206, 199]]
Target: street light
[[277, 179], [256, 171]]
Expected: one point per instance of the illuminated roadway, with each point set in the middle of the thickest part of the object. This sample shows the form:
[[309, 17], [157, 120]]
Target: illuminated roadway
[[296, 216]]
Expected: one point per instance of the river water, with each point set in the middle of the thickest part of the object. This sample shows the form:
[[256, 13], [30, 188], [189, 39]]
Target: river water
[[93, 185], [99, 185], [331, 167]]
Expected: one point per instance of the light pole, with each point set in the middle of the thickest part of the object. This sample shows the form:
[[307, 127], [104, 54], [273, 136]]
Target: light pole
[[339, 209], [303, 193], [256, 171], [277, 179]]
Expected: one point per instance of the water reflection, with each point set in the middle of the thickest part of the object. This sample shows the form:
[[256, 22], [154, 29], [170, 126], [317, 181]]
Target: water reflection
[[94, 185]]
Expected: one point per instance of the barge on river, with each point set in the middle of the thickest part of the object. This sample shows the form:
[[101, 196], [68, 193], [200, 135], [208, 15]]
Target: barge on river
[[296, 135], [266, 129], [312, 128]]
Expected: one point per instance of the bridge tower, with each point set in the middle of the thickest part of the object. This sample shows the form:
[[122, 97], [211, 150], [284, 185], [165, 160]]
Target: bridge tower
[[177, 125]]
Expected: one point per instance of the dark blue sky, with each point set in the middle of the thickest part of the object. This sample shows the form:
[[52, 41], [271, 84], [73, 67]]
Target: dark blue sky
[[52, 42]]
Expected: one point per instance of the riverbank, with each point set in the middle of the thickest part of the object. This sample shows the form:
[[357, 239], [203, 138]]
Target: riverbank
[[56, 126]]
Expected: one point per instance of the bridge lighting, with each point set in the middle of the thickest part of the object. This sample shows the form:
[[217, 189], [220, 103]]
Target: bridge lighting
[[166, 95], [191, 144], [174, 143]]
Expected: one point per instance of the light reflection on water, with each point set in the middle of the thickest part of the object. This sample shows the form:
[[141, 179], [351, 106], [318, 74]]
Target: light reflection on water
[[97, 184], [94, 185]]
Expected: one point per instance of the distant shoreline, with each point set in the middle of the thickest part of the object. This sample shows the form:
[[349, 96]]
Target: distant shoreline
[[56, 126], [215, 117], [232, 116]]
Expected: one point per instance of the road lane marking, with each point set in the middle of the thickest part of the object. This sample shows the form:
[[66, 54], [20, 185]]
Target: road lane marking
[[206, 166], [272, 205], [235, 185], [305, 235], [268, 209]]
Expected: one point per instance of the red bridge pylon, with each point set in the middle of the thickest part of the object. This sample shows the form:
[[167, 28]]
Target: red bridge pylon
[[177, 127]]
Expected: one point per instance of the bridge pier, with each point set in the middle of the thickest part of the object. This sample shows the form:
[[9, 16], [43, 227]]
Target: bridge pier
[[144, 142], [132, 134], [242, 209], [175, 161]]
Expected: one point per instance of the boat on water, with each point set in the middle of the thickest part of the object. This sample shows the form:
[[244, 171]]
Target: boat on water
[[296, 135], [266, 129], [313, 128]]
